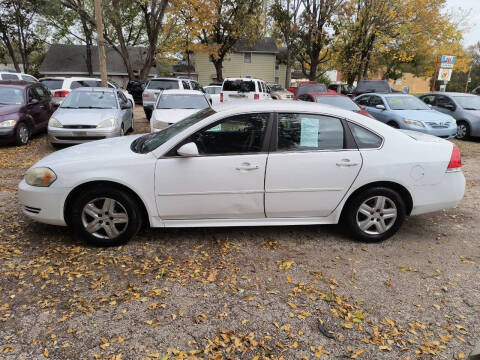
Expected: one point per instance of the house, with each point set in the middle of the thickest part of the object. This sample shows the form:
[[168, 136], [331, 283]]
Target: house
[[257, 60], [70, 60]]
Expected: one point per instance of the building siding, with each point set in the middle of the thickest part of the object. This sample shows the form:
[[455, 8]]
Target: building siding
[[262, 67]]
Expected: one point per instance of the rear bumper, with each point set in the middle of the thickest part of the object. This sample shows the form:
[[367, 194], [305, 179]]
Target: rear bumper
[[78, 136], [43, 204], [444, 195]]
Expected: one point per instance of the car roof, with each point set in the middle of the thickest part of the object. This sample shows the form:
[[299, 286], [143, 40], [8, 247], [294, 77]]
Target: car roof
[[182, 91], [16, 83], [167, 78], [317, 93], [90, 89], [449, 93], [212, 86], [242, 79], [384, 94]]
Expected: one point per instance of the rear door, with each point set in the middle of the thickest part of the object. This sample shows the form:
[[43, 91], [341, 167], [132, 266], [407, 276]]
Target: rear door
[[45, 105], [314, 165]]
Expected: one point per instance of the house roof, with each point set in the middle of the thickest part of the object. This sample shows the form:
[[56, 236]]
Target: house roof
[[71, 60], [265, 45]]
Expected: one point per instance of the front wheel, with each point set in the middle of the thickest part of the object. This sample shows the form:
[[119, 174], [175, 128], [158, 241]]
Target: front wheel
[[22, 134], [375, 214], [105, 216], [463, 130]]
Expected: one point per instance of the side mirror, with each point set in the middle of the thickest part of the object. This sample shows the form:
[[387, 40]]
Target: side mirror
[[362, 107], [33, 101], [188, 149], [381, 107], [430, 106]]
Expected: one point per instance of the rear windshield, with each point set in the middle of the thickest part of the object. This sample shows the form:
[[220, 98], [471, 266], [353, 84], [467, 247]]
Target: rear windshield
[[213, 90], [239, 85], [52, 84], [373, 86], [182, 101], [163, 84], [85, 83], [338, 101], [10, 96], [90, 100], [311, 88]]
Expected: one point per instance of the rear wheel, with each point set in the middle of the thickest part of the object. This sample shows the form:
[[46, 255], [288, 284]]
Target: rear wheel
[[105, 216], [375, 214], [463, 130], [22, 134]]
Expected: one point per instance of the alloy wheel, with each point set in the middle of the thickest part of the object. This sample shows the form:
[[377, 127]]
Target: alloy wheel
[[461, 131], [104, 218], [23, 134], [376, 215]]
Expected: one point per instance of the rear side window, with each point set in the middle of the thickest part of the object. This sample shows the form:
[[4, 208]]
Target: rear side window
[[364, 138], [301, 132], [52, 84], [28, 78], [239, 85], [185, 85], [9, 77], [42, 92], [163, 85]]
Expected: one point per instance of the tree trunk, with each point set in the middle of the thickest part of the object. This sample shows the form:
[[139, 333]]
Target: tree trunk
[[88, 46], [218, 63], [288, 70], [313, 68], [11, 52]]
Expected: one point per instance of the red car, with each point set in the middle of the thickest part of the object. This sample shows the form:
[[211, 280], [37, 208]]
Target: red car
[[309, 86], [337, 100], [25, 108]]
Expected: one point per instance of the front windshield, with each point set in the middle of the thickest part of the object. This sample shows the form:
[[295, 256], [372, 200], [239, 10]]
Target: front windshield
[[90, 100], [303, 89], [338, 101], [468, 102], [11, 96], [182, 101], [406, 103], [150, 142]]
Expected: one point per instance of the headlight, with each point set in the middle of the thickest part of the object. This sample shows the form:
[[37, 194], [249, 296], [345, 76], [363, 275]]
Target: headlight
[[413, 122], [109, 123], [54, 123], [41, 176], [8, 123], [454, 122]]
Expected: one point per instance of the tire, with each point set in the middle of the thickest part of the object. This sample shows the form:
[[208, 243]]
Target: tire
[[22, 134], [393, 124], [369, 202], [133, 125], [96, 207], [463, 130], [148, 113]]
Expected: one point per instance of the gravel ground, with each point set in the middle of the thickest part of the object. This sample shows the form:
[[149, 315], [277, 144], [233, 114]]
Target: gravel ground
[[239, 293]]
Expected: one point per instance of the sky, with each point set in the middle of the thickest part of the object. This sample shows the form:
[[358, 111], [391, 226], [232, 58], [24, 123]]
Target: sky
[[472, 33]]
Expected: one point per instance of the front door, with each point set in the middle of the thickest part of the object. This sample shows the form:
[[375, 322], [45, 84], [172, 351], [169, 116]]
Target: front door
[[379, 114], [312, 169], [35, 108], [226, 180]]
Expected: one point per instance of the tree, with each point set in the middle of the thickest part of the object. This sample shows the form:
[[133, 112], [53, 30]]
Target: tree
[[315, 37], [228, 22], [285, 16]]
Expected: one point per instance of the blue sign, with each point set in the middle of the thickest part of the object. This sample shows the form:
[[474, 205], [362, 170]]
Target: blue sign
[[447, 61]]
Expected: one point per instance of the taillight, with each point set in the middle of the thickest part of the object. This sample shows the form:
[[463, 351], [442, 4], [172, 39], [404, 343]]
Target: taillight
[[61, 93], [145, 95], [455, 159], [221, 97], [256, 97]]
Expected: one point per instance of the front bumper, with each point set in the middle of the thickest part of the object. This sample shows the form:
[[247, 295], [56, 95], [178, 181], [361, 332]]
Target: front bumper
[[444, 132], [7, 134], [444, 195], [79, 136], [43, 204]]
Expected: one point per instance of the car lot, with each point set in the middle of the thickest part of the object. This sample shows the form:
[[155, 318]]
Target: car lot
[[240, 292]]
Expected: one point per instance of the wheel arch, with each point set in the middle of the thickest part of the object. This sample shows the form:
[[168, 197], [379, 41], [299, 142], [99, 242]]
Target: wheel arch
[[402, 190], [79, 188]]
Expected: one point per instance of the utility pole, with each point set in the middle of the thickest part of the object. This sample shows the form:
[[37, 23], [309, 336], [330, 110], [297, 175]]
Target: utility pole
[[101, 44]]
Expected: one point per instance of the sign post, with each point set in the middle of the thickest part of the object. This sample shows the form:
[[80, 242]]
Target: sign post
[[443, 67]]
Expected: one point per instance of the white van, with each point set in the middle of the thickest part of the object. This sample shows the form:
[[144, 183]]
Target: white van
[[234, 89]]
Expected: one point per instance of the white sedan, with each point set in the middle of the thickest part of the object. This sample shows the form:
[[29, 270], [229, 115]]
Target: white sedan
[[271, 163], [174, 105]]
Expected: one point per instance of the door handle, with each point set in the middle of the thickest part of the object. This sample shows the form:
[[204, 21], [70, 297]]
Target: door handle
[[346, 163], [247, 167]]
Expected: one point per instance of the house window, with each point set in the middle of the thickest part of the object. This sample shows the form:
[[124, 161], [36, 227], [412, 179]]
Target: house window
[[277, 66], [247, 58], [277, 79]]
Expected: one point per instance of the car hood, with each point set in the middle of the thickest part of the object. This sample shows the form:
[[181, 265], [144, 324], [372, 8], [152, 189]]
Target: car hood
[[424, 115], [173, 115], [83, 116], [9, 109], [475, 113], [100, 151]]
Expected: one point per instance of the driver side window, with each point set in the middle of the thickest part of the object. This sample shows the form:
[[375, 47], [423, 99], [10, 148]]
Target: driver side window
[[445, 102], [33, 95], [238, 134]]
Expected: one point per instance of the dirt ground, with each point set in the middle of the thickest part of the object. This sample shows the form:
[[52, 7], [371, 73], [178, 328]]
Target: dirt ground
[[239, 293]]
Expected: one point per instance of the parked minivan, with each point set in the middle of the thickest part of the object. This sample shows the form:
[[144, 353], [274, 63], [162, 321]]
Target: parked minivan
[[244, 89]]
